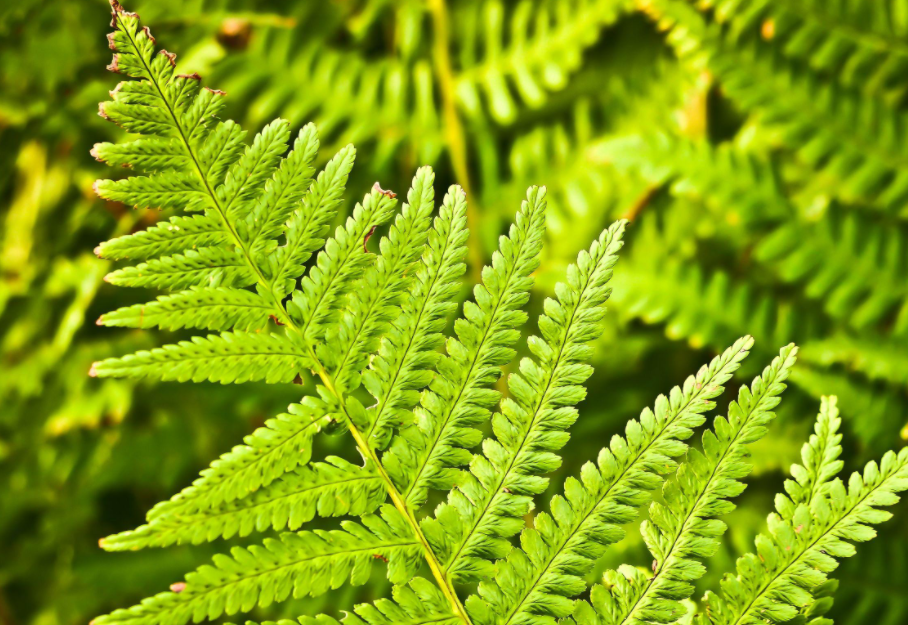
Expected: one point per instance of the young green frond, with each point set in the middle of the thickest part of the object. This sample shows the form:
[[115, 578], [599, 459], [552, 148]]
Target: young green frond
[[367, 317], [176, 235], [205, 308], [279, 446], [403, 363], [294, 565], [536, 582], [798, 553], [425, 454], [326, 489], [489, 504], [378, 294], [685, 529]]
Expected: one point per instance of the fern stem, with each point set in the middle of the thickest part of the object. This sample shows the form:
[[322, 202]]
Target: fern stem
[[398, 500], [457, 144], [361, 442]]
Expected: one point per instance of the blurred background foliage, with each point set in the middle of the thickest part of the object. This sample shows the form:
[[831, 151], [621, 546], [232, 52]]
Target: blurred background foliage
[[757, 146]]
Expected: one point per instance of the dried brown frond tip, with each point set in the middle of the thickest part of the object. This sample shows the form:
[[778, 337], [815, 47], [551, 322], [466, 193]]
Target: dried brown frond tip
[[385, 192], [170, 57]]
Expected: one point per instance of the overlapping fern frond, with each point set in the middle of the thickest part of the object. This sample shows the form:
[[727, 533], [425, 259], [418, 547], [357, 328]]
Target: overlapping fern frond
[[363, 324]]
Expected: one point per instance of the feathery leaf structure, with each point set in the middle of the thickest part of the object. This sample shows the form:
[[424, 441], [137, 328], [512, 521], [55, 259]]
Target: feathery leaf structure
[[460, 397], [489, 504], [685, 529], [294, 565], [363, 322], [404, 362], [799, 552], [537, 581]]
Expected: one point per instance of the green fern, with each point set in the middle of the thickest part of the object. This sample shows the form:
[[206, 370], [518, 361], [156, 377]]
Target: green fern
[[362, 323]]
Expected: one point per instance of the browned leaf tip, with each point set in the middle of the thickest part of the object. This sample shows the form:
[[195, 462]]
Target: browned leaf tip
[[147, 31], [97, 251], [101, 543], [170, 57], [101, 112], [114, 64], [192, 76], [385, 192], [117, 9], [178, 587], [367, 237], [94, 152], [216, 91], [379, 556], [276, 320], [110, 41], [93, 372]]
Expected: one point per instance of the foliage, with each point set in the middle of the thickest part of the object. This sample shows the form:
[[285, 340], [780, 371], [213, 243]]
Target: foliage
[[750, 213]]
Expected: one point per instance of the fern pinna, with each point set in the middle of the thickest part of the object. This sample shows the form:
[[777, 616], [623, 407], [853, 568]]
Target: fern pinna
[[370, 324]]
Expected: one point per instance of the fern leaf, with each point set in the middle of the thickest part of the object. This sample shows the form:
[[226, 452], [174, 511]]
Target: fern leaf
[[178, 234], [207, 266], [246, 178], [800, 552], [163, 191], [149, 154], [862, 47], [821, 463], [315, 304], [402, 366], [418, 603], [537, 580], [378, 294], [297, 565], [542, 48], [201, 308], [279, 446], [285, 189], [231, 357], [424, 456], [686, 529], [308, 225], [331, 488], [532, 424], [220, 150]]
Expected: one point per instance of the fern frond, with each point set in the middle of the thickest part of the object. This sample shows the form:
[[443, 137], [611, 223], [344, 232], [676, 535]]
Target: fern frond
[[490, 502], [424, 455], [686, 528], [402, 366], [378, 294], [315, 304], [332, 488], [308, 225], [272, 450], [863, 46], [528, 50], [297, 565], [821, 463], [286, 188], [176, 235], [207, 266], [418, 603], [735, 184], [799, 553], [228, 358], [201, 308], [536, 582], [860, 276], [852, 143]]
